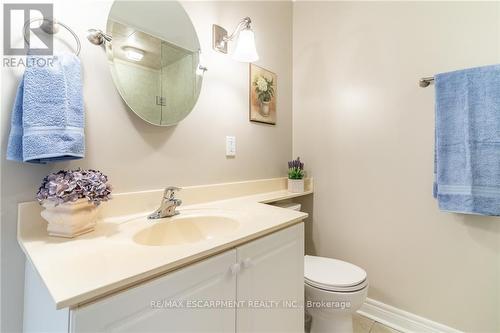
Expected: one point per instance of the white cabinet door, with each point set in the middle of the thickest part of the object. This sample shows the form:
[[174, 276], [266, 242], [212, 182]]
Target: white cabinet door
[[134, 310], [272, 274]]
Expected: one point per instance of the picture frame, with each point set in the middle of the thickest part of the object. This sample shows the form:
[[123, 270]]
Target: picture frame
[[263, 89]]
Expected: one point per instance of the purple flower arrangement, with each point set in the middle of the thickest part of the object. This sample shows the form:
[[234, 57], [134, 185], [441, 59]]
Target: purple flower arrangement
[[295, 169], [66, 186]]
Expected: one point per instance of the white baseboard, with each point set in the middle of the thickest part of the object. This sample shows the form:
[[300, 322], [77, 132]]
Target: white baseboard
[[401, 320]]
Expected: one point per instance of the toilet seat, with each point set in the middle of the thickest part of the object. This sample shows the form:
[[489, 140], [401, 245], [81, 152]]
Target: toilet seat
[[333, 274]]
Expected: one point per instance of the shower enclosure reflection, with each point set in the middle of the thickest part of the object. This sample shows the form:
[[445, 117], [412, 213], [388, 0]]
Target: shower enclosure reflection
[[153, 62]]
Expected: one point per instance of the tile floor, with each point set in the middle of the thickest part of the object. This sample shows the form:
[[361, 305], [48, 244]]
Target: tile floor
[[363, 324]]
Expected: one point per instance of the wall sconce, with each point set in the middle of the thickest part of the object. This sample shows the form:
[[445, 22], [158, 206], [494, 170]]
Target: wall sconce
[[97, 37], [245, 50]]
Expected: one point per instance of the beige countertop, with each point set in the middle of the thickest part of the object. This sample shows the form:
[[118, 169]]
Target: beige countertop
[[107, 260]]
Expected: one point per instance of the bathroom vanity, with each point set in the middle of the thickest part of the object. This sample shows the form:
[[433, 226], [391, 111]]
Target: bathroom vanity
[[227, 255]]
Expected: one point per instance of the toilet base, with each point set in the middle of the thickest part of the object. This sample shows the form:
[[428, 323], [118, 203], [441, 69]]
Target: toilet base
[[332, 324], [327, 319]]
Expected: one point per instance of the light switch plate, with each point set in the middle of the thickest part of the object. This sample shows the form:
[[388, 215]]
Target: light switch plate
[[230, 146]]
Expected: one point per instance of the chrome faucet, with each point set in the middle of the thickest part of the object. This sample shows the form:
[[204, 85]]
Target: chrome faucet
[[168, 204]]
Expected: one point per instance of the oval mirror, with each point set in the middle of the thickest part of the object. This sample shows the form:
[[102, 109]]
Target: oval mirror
[[154, 58]]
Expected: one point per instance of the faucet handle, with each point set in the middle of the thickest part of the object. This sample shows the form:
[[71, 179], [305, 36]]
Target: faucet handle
[[170, 191]]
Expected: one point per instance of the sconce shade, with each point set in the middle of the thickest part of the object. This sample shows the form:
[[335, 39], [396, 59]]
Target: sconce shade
[[245, 50]]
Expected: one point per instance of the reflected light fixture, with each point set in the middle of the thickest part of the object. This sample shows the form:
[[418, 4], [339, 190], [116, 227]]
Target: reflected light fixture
[[133, 53], [245, 50]]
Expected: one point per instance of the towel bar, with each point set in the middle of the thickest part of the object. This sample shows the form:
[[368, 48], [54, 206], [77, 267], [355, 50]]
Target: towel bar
[[425, 81]]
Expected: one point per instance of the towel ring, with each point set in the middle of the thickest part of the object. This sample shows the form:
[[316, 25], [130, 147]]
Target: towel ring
[[51, 27]]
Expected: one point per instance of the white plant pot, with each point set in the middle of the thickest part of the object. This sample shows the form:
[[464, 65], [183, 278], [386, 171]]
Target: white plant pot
[[70, 219], [296, 185]]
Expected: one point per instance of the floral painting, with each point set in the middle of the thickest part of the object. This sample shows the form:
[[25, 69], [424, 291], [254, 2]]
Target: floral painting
[[262, 95]]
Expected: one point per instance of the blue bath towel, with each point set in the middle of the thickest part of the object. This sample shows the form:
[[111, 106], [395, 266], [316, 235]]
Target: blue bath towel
[[467, 155], [47, 123]]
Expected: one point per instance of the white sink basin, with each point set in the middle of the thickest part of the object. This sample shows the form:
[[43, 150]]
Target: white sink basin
[[185, 229]]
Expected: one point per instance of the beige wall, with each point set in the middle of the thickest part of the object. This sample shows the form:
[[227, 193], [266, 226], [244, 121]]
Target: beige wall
[[365, 130], [139, 156]]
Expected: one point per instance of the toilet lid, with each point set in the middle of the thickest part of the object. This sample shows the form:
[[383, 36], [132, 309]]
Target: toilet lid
[[332, 274]]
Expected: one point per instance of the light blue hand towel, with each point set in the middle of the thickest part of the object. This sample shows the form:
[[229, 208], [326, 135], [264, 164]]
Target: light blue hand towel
[[467, 156], [47, 123]]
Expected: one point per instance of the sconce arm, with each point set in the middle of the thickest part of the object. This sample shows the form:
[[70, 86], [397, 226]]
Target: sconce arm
[[244, 23]]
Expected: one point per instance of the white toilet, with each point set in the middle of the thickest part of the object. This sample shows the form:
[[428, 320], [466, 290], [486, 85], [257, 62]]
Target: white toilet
[[334, 290]]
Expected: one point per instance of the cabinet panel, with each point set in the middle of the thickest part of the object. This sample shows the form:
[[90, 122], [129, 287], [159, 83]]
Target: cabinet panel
[[133, 311], [272, 270], [40, 314]]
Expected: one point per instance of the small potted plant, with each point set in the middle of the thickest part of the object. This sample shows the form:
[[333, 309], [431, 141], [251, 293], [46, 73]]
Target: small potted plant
[[71, 199], [264, 88], [296, 176]]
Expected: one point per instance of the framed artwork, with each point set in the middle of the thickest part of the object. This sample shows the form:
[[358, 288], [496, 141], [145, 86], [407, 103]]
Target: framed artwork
[[263, 87]]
